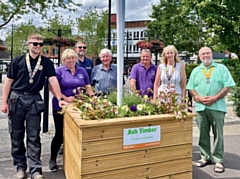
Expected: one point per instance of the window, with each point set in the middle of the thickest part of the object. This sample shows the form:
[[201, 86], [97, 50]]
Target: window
[[135, 49], [136, 35]]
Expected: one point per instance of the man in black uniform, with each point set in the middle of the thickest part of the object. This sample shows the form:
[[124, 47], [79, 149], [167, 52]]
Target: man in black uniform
[[23, 104]]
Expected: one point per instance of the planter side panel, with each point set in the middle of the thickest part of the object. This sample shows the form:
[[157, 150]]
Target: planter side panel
[[99, 149], [150, 171], [72, 148]]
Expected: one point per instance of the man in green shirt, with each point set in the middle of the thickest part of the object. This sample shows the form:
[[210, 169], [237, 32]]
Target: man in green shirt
[[209, 83]]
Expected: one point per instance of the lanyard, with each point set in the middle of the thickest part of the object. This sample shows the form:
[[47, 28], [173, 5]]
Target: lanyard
[[37, 67], [207, 75], [169, 75]]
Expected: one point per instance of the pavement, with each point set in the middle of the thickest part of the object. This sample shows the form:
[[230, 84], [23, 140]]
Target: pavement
[[231, 137]]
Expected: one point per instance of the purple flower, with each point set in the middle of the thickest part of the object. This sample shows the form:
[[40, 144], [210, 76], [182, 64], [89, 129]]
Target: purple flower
[[133, 108]]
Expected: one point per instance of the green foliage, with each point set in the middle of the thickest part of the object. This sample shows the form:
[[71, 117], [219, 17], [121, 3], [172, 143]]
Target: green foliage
[[19, 38], [15, 9], [178, 25], [93, 28], [234, 68], [21, 32], [190, 24], [189, 68], [104, 107], [235, 97]]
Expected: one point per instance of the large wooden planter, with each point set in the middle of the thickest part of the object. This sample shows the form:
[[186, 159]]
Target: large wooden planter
[[94, 149]]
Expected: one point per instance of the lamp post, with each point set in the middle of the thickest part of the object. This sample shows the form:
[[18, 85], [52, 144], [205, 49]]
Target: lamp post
[[109, 24], [127, 36], [156, 46], [12, 44], [59, 34], [46, 90]]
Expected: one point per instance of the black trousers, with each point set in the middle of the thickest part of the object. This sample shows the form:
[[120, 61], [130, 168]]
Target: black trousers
[[24, 116], [58, 137]]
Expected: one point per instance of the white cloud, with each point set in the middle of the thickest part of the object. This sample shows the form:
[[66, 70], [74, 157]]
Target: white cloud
[[135, 10]]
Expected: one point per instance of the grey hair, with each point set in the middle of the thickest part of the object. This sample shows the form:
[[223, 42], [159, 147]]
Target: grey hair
[[105, 51]]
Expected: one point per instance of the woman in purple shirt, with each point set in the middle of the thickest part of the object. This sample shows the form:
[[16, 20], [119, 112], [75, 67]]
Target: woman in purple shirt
[[70, 77]]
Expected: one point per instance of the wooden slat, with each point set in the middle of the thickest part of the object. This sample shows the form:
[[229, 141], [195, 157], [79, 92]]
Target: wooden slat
[[186, 175], [135, 158], [147, 171], [116, 131], [109, 122], [113, 146], [72, 148], [94, 149]]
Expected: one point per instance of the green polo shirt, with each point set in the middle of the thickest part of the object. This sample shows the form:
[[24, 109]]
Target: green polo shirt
[[219, 79]]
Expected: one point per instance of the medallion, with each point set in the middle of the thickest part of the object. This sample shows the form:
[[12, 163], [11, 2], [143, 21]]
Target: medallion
[[31, 80], [40, 67], [208, 81]]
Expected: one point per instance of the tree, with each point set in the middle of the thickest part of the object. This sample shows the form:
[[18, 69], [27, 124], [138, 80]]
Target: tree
[[14, 9], [222, 19], [178, 25], [92, 26], [20, 32]]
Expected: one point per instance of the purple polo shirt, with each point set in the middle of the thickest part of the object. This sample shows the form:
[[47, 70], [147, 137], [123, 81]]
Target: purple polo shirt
[[69, 82], [144, 77]]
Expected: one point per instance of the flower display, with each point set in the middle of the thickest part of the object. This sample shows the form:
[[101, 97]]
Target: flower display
[[144, 44], [62, 41], [3, 48], [102, 107], [152, 45]]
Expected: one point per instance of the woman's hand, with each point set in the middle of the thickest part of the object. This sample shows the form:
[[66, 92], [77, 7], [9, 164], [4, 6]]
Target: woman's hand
[[69, 99]]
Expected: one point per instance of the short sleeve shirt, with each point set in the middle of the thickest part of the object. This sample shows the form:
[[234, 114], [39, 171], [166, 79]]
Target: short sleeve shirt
[[18, 71], [103, 80], [144, 77], [68, 82], [219, 79], [87, 64]]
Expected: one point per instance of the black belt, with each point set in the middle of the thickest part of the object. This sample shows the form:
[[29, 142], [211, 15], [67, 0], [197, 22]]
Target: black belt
[[26, 93]]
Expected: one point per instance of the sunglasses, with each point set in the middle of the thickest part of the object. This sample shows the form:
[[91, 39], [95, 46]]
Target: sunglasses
[[82, 47], [36, 44]]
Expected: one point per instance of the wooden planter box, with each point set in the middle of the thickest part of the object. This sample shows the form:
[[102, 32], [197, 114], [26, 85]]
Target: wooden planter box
[[94, 149]]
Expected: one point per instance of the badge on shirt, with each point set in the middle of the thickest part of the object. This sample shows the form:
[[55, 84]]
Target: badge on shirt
[[153, 73], [80, 76], [89, 68]]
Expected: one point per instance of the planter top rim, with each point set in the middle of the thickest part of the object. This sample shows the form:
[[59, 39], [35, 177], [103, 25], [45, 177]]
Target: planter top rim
[[126, 120]]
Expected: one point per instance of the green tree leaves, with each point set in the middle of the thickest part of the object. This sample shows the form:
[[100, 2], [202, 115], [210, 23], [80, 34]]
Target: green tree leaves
[[14, 9]]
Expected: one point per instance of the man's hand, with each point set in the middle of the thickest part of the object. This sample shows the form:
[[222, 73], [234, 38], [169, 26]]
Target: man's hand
[[208, 100], [5, 108]]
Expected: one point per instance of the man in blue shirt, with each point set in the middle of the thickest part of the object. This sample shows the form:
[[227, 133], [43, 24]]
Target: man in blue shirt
[[83, 61], [104, 75]]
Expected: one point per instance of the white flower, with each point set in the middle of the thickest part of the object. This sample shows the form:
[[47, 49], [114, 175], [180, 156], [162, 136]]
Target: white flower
[[125, 108], [140, 107], [88, 105]]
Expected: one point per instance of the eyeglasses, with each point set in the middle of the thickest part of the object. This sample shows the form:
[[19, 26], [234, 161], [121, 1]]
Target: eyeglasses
[[36, 44], [82, 47]]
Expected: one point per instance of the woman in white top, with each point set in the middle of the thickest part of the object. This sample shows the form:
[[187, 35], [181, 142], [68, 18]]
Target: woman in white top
[[170, 73]]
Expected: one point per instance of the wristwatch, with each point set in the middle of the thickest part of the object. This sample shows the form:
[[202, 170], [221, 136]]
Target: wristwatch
[[60, 99]]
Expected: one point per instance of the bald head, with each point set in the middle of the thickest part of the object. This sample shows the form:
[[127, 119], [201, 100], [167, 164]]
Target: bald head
[[205, 55], [204, 49]]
